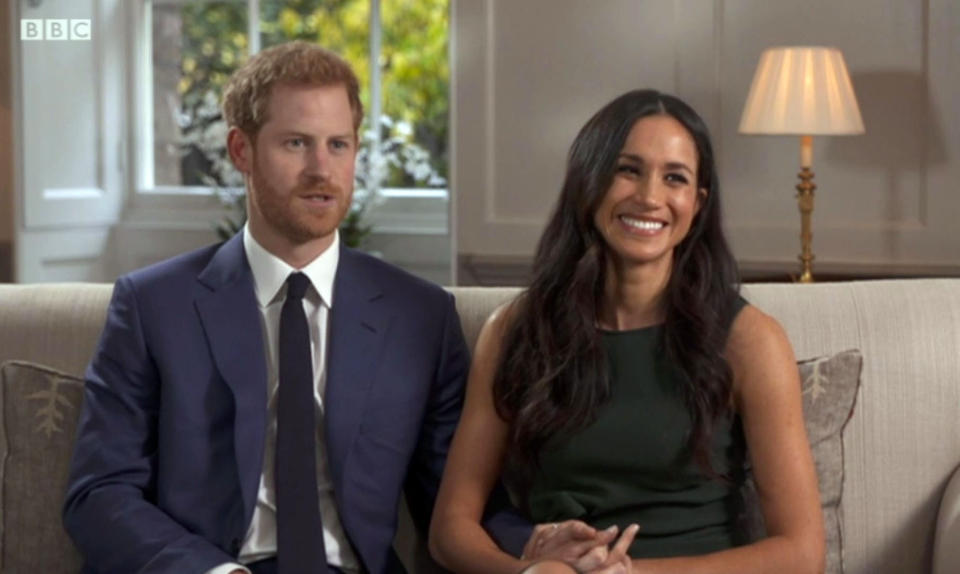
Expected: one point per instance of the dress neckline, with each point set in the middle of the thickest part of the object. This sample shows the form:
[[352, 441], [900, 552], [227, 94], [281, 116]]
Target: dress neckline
[[637, 330]]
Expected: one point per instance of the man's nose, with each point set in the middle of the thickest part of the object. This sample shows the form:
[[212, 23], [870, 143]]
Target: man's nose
[[318, 162]]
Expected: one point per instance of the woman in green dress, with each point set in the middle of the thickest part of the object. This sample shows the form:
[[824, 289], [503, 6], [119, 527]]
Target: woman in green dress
[[622, 390]]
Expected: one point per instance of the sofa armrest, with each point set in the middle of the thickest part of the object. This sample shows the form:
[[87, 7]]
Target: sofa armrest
[[946, 546]]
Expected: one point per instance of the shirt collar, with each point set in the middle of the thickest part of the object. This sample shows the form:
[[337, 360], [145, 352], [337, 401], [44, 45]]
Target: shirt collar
[[270, 272]]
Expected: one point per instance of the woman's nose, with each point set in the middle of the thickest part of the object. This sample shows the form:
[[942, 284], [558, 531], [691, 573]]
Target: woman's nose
[[648, 191]]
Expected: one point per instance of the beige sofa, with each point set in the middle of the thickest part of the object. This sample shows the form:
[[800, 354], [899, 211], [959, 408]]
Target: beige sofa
[[901, 446]]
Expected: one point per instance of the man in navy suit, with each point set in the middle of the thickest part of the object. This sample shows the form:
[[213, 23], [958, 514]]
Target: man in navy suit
[[177, 465]]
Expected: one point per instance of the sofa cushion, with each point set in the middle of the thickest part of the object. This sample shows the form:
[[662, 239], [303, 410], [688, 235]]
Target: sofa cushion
[[39, 408], [830, 387]]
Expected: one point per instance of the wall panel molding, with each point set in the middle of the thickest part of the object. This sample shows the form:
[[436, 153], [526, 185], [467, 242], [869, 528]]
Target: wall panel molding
[[883, 198]]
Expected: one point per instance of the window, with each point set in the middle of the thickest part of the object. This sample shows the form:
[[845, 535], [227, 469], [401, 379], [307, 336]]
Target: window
[[191, 47]]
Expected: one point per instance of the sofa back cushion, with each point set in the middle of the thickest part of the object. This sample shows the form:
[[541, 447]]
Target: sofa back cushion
[[903, 441], [56, 324]]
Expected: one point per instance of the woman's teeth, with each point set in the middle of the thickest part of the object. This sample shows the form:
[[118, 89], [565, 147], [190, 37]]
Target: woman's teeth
[[642, 223]]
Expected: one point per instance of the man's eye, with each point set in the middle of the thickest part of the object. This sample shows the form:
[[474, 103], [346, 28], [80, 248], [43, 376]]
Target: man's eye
[[339, 144], [296, 142]]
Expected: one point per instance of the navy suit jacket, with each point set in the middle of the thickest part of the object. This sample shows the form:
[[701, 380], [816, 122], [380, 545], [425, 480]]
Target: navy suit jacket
[[170, 442]]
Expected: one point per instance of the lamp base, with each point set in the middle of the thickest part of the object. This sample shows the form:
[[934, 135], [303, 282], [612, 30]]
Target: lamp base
[[805, 202]]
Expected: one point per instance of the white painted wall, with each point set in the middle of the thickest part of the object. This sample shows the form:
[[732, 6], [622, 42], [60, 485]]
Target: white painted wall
[[6, 147], [528, 74], [69, 122]]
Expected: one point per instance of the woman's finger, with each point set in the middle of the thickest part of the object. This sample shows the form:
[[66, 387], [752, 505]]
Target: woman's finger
[[577, 530], [531, 548], [570, 530], [550, 530], [596, 557], [607, 536], [574, 549], [617, 560], [619, 550]]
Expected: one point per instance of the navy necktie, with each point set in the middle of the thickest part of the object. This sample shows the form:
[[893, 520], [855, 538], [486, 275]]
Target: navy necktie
[[300, 548]]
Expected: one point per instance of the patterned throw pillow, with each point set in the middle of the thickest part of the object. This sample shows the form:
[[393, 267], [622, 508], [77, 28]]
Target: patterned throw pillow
[[830, 387], [40, 408]]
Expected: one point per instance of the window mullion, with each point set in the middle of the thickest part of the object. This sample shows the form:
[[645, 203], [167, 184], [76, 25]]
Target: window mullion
[[143, 92], [253, 26], [376, 100]]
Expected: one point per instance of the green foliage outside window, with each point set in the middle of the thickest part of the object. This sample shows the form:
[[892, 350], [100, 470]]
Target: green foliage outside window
[[415, 72]]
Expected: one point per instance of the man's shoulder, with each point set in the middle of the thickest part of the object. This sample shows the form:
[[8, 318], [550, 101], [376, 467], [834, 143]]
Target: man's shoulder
[[393, 280], [181, 269]]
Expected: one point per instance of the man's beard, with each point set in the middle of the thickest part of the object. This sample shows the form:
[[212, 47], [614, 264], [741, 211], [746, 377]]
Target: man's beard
[[296, 226]]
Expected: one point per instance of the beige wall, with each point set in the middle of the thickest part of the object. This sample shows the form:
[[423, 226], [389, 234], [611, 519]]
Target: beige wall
[[6, 146], [528, 74]]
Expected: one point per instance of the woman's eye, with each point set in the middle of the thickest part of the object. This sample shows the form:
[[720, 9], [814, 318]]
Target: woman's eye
[[628, 169], [677, 178]]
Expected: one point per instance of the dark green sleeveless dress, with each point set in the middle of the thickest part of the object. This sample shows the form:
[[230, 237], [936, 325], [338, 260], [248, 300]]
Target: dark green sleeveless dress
[[632, 465]]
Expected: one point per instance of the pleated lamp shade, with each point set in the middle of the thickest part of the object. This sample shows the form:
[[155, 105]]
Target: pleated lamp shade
[[802, 90]]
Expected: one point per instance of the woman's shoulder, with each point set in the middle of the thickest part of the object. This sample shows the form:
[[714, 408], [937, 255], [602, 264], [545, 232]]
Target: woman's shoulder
[[751, 327], [496, 327], [757, 348], [503, 316], [735, 304]]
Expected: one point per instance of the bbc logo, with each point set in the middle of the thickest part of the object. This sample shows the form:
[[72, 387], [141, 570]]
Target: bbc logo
[[55, 29]]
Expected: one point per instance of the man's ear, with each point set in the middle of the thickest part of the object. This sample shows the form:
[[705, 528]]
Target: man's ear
[[240, 148]]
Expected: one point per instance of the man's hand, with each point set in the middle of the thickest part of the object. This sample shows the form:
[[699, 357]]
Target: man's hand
[[567, 541]]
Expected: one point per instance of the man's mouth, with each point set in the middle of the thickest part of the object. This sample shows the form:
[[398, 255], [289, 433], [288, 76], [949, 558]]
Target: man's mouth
[[318, 194]]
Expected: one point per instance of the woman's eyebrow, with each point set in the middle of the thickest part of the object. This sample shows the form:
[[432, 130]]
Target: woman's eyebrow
[[670, 165], [679, 165]]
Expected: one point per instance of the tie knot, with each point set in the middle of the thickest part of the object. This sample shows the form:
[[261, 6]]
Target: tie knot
[[297, 284]]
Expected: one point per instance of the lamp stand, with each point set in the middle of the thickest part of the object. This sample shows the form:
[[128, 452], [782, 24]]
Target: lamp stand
[[805, 202]]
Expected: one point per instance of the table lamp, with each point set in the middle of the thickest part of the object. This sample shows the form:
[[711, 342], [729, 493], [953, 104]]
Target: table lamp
[[804, 91]]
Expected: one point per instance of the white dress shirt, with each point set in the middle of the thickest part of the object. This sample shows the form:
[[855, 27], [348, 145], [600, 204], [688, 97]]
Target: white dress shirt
[[269, 278]]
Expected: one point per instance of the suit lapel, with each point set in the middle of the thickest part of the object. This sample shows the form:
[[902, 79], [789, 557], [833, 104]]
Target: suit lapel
[[356, 331], [230, 317]]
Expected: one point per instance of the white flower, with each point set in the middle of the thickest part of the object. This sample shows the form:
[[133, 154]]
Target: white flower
[[404, 129]]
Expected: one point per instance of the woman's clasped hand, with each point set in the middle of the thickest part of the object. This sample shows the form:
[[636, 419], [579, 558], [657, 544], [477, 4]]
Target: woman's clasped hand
[[579, 546]]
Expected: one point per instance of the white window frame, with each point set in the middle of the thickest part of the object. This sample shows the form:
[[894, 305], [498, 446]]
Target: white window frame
[[420, 211]]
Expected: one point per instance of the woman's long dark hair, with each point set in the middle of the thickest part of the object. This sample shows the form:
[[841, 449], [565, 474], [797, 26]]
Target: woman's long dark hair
[[552, 377]]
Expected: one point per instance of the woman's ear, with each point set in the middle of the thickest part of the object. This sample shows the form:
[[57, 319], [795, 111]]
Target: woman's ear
[[701, 199]]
